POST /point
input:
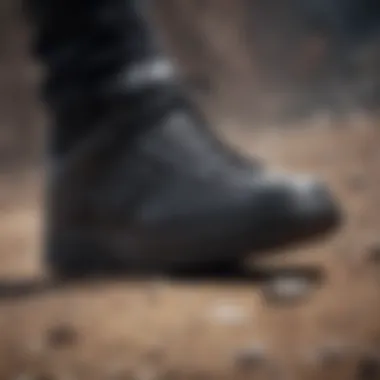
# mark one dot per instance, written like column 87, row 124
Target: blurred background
column 294, row 81
column 275, row 60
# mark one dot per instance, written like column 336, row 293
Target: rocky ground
column 314, row 314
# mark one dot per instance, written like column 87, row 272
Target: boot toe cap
column 314, row 202
column 298, row 208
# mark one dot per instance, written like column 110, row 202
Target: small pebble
column 374, row 253
column 62, row 336
column 368, row 369
column 251, row 357
column 229, row 314
column 287, row 289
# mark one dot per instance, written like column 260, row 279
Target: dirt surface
column 313, row 327
column 312, row 312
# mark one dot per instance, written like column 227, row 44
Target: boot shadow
column 34, row 288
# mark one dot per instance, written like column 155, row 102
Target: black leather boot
column 137, row 182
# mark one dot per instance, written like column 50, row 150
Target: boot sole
column 79, row 257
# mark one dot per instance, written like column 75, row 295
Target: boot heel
column 74, row 256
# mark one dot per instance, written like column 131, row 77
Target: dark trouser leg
column 88, row 48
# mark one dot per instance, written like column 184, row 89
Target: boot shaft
column 102, row 63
